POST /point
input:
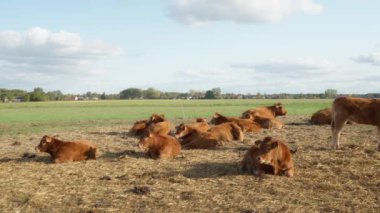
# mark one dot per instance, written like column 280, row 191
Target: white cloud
column 301, row 67
column 198, row 12
column 40, row 55
column 306, row 75
column 372, row 58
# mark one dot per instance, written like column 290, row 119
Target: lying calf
column 247, row 125
column 183, row 130
column 213, row 137
column 268, row 156
column 160, row 146
column 64, row 151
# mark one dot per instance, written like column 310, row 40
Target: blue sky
column 246, row 46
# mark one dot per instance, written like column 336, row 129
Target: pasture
column 123, row 180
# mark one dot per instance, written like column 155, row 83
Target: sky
column 241, row 46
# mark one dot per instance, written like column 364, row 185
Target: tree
column 209, row 94
column 196, row 94
column 103, row 96
column 55, row 95
column 38, row 94
column 214, row 93
column 131, row 93
column 151, row 93
column 331, row 93
column 217, row 92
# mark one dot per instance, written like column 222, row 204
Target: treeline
column 38, row 94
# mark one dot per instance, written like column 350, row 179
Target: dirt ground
column 124, row 180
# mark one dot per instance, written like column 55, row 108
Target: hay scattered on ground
column 122, row 179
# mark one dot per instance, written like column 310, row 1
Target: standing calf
column 358, row 110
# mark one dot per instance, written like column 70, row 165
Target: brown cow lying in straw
column 212, row 137
column 268, row 123
column 159, row 125
column 156, row 124
column 266, row 112
column 247, row 125
column 64, row 151
column 182, row 130
column 358, row 110
column 323, row 117
column 160, row 146
column 265, row 116
column 268, row 156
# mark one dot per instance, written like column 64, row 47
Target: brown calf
column 64, row 151
column 212, row 137
column 247, row 125
column 160, row 146
column 323, row 117
column 269, row 155
column 358, row 110
column 183, row 130
column 266, row 112
column 268, row 123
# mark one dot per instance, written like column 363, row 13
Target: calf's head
column 155, row 118
column 217, row 119
column 181, row 130
column 279, row 109
column 267, row 149
column 45, row 144
column 145, row 142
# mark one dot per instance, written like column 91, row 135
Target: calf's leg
column 336, row 128
column 378, row 133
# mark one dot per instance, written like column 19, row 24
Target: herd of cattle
column 268, row 155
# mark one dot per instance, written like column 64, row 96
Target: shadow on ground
column 212, row 170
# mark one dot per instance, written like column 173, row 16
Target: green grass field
column 38, row 116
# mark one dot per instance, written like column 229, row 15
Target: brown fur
column 157, row 124
column 247, row 125
column 268, row 123
column 160, row 146
column 210, row 139
column 139, row 128
column 202, row 140
column 252, row 165
column 155, row 118
column 64, row 151
column 359, row 110
column 160, row 128
column 201, row 120
column 323, row 117
column 269, row 153
column 183, row 130
column 266, row 112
